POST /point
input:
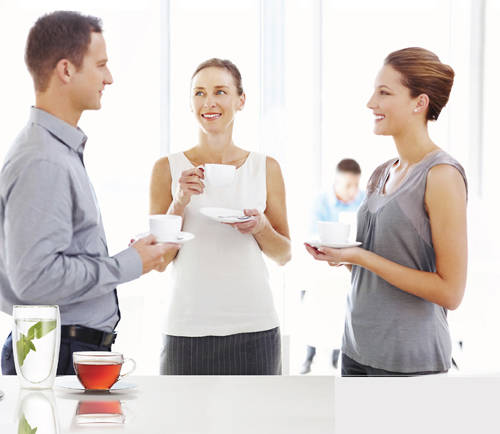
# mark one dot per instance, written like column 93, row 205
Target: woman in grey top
column 412, row 265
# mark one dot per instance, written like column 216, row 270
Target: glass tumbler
column 36, row 338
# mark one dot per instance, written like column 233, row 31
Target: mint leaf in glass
column 24, row 345
column 24, row 427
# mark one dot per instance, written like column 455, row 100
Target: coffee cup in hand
column 333, row 232
column 165, row 227
column 219, row 175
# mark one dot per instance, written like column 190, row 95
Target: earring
column 415, row 110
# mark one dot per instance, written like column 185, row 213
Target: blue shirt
column 327, row 208
column 52, row 244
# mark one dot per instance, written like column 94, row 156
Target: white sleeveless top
column 220, row 280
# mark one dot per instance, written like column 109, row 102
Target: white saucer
column 317, row 243
column 70, row 382
column 226, row 215
column 181, row 238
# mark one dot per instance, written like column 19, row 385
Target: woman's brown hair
column 224, row 64
column 423, row 72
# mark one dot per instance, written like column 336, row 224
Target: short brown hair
column 349, row 165
column 224, row 64
column 55, row 36
column 423, row 72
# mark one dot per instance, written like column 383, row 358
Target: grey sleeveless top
column 385, row 327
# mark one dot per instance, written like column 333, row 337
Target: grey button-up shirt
column 52, row 244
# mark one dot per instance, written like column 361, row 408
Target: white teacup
column 165, row 227
column 333, row 232
column 219, row 175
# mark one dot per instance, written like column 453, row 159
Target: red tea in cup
column 97, row 376
column 99, row 370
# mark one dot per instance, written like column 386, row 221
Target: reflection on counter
column 99, row 413
column 37, row 412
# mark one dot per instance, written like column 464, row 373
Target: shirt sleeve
column 38, row 233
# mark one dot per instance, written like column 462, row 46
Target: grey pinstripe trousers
column 257, row 353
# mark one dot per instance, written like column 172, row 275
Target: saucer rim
column 188, row 236
column 317, row 243
column 228, row 219
column 71, row 382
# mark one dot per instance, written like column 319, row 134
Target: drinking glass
column 37, row 412
column 36, row 338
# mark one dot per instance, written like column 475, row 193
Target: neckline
column 407, row 174
column 237, row 168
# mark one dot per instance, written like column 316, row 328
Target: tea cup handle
column 130, row 370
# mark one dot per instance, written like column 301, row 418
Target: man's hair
column 55, row 36
column 349, row 165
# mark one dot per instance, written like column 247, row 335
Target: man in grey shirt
column 52, row 243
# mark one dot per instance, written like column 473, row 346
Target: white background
column 308, row 68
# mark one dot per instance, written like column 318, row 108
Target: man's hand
column 152, row 253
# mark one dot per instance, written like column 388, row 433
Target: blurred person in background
column 324, row 301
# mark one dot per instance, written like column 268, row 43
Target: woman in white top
column 221, row 318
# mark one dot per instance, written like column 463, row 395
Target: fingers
column 197, row 171
column 251, row 212
column 317, row 254
column 147, row 240
column 191, row 183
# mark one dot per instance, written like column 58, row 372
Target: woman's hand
column 334, row 257
column 190, row 183
column 253, row 226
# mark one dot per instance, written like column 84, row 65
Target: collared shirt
column 327, row 208
column 52, row 244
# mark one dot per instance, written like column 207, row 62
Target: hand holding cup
column 190, row 183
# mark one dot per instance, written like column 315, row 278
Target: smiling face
column 215, row 99
column 393, row 107
column 88, row 82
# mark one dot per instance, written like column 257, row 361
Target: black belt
column 88, row 335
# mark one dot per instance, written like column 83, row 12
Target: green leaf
column 24, row 427
column 31, row 333
column 41, row 328
column 23, row 348
column 24, row 345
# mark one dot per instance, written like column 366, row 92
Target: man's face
column 346, row 186
column 89, row 81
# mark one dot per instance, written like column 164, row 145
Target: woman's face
column 215, row 99
column 391, row 103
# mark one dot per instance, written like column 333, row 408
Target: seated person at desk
column 324, row 305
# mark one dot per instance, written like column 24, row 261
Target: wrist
column 352, row 255
column 263, row 225
column 178, row 206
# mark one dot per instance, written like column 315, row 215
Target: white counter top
column 274, row 405
column 167, row 404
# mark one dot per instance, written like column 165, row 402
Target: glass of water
column 36, row 338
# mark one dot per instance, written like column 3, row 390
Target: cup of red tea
column 99, row 370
